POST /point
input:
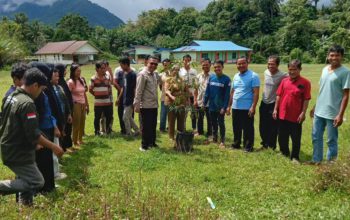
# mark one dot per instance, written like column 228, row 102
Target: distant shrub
column 106, row 56
column 296, row 53
column 334, row 176
column 258, row 58
column 307, row 58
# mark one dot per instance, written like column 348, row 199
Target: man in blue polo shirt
column 218, row 94
column 244, row 97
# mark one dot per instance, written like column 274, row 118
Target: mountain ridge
column 51, row 14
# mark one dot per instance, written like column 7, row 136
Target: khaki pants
column 128, row 120
column 172, row 117
column 79, row 115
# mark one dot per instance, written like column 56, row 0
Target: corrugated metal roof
column 63, row 47
column 201, row 45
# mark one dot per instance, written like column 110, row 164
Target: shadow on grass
column 77, row 164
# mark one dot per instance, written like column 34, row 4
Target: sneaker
column 60, row 176
column 222, row 145
column 155, row 145
column 142, row 149
column 312, row 163
column 295, row 161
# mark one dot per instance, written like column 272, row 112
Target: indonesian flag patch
column 31, row 115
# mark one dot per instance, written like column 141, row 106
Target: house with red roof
column 67, row 52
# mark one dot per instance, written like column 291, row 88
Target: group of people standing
column 43, row 115
column 282, row 111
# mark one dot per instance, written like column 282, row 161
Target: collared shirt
column 332, row 87
column 102, row 90
column 202, row 85
column 292, row 94
column 146, row 90
column 19, row 129
column 190, row 78
column 271, row 85
column 163, row 76
column 243, row 85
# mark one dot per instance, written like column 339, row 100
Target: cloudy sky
column 127, row 9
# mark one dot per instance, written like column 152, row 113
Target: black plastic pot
column 184, row 141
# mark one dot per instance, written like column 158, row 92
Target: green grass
column 110, row 178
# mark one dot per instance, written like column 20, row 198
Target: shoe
column 60, row 176
column 312, row 163
column 76, row 147
column 235, row 146
column 142, row 149
column 195, row 133
column 262, row 149
column 222, row 145
column 155, row 145
column 69, row 150
column 295, row 161
column 137, row 133
column 215, row 140
column 248, row 150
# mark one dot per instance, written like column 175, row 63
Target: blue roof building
column 226, row 51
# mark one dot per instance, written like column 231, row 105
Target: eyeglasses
column 156, row 64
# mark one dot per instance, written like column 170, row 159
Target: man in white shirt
column 189, row 75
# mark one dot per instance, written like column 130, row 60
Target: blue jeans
column 318, row 128
column 163, row 116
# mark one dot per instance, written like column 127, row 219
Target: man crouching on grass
column 293, row 96
column 20, row 137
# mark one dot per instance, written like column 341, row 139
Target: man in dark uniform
column 20, row 137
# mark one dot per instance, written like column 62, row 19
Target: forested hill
column 95, row 14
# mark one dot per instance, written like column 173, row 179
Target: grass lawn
column 110, row 178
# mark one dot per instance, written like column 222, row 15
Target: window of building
column 234, row 55
column 205, row 55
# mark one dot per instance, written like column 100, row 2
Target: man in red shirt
column 292, row 100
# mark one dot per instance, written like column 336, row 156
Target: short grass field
column 109, row 178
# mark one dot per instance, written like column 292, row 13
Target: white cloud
column 10, row 5
column 130, row 9
column 126, row 9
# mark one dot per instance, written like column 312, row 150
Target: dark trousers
column 193, row 115
column 201, row 113
column 149, row 120
column 218, row 120
column 66, row 141
column 107, row 112
column 268, row 126
column 120, row 116
column 241, row 122
column 44, row 161
column 286, row 129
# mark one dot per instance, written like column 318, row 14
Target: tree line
column 292, row 29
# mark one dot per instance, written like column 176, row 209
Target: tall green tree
column 72, row 27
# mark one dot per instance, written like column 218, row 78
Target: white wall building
column 67, row 52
